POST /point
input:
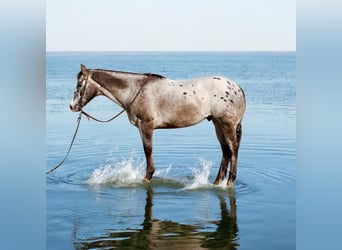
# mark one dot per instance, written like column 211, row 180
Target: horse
column 153, row 101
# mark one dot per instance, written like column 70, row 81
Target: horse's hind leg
column 229, row 137
column 234, row 141
column 226, row 152
column 146, row 133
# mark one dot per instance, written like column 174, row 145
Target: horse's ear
column 84, row 70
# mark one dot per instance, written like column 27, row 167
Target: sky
column 170, row 25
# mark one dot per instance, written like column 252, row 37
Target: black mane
column 151, row 75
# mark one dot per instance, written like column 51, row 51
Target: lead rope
column 73, row 138
column 78, row 124
column 93, row 118
column 72, row 142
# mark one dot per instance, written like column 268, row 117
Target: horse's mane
column 151, row 75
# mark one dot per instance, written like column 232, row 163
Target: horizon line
column 162, row 51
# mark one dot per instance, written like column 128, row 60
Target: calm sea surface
column 97, row 200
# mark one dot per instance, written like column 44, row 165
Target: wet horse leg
column 226, row 153
column 233, row 135
column 146, row 133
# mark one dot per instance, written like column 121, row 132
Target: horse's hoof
column 230, row 184
column 217, row 182
column 145, row 180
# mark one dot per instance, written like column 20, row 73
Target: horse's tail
column 239, row 132
column 239, row 126
column 244, row 98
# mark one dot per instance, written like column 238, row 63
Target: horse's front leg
column 146, row 133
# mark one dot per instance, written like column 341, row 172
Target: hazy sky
column 124, row 25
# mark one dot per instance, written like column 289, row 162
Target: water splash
column 163, row 172
column 123, row 173
column 201, row 177
column 131, row 172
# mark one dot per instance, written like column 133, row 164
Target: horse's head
column 85, row 90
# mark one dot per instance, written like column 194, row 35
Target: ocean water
column 96, row 199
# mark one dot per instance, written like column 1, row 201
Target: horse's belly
column 182, row 113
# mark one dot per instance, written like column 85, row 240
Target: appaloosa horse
column 153, row 101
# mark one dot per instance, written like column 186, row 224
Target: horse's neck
column 119, row 87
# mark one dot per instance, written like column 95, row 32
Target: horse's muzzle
column 74, row 108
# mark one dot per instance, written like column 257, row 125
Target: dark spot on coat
column 180, row 85
column 239, row 90
column 225, row 100
column 231, row 101
column 184, row 93
column 235, row 92
column 228, row 82
column 194, row 92
column 216, row 78
column 227, row 93
column 229, row 88
column 214, row 95
column 221, row 97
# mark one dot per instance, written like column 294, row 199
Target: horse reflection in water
column 166, row 234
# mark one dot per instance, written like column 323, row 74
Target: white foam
column 201, row 177
column 163, row 172
column 123, row 173
column 131, row 172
